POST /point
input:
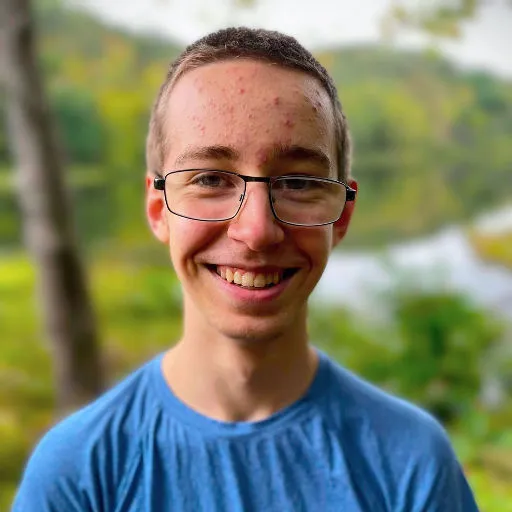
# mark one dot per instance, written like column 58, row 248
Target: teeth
column 259, row 281
column 248, row 279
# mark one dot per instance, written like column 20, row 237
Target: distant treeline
column 432, row 143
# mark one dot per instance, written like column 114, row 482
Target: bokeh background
column 419, row 297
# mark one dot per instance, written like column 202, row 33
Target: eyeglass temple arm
column 159, row 183
column 351, row 194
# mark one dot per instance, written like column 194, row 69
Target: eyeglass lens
column 217, row 195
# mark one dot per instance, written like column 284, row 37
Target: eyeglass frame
column 159, row 184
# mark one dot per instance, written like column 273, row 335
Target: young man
column 249, row 186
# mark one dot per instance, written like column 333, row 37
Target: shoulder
column 92, row 449
column 351, row 399
column 410, row 455
column 120, row 411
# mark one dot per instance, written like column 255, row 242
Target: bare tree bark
column 48, row 229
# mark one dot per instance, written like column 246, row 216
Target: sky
column 485, row 42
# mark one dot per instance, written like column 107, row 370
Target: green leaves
column 431, row 350
column 444, row 341
column 433, row 17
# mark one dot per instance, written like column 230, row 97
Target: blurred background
column 419, row 297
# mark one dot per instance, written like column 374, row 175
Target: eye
column 213, row 179
column 295, row 184
column 298, row 184
column 207, row 180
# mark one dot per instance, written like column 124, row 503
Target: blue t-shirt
column 345, row 446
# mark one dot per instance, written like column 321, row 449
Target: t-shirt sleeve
column 440, row 483
column 451, row 491
column 52, row 478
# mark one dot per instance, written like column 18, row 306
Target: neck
column 236, row 380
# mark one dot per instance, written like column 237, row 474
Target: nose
column 255, row 224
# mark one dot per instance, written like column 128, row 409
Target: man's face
column 256, row 119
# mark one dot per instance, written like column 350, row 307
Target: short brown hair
column 258, row 44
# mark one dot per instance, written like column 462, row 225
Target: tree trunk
column 47, row 222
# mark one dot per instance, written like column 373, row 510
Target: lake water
column 446, row 260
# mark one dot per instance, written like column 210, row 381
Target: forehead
column 249, row 105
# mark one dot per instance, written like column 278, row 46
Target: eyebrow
column 300, row 154
column 277, row 152
column 217, row 152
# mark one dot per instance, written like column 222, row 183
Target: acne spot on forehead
column 200, row 127
column 261, row 157
column 250, row 108
column 198, row 83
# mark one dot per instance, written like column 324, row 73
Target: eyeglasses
column 213, row 195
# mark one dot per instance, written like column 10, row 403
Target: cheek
column 188, row 237
column 316, row 243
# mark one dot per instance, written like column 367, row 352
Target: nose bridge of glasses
column 253, row 179
column 256, row 179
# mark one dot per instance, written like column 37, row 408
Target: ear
column 341, row 225
column 156, row 211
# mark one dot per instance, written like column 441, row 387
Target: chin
column 254, row 332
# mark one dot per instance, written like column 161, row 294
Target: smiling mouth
column 250, row 279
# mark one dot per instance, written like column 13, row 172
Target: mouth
column 264, row 278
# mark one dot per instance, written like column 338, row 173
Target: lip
column 249, row 268
column 251, row 295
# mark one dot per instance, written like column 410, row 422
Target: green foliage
column 436, row 18
column 92, row 201
column 431, row 143
column 353, row 342
column 80, row 127
column 444, row 342
column 10, row 229
column 441, row 19
column 4, row 148
column 432, row 352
